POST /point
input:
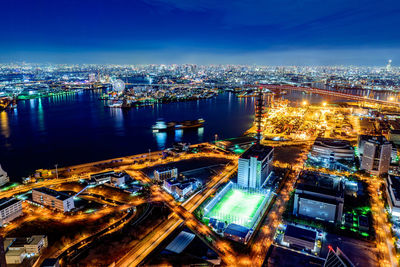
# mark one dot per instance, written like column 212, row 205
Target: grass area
column 237, row 206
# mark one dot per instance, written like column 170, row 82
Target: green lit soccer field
column 237, row 206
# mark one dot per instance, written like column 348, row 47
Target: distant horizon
column 349, row 58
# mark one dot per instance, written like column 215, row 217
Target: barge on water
column 162, row 126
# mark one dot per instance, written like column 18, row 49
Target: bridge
column 327, row 92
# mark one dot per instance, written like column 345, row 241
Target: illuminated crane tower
column 259, row 110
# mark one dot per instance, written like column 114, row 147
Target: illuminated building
column 163, row 174
column 254, row 166
column 10, row 208
column 112, row 177
column 299, row 237
column 19, row 248
column 319, row 196
column 180, row 189
column 49, row 197
column 332, row 149
column 376, row 155
column 333, row 154
column 3, row 177
column 237, row 233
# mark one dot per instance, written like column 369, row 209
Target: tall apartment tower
column 254, row 166
column 376, row 155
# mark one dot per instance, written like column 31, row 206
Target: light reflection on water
column 161, row 138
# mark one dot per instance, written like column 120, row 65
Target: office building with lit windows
column 54, row 199
column 254, row 166
column 376, row 154
column 10, row 208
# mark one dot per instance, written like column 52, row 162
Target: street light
column 304, row 103
column 324, row 104
column 391, row 98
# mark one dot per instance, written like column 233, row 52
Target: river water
column 78, row 128
column 73, row 129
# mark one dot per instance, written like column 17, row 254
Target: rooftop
column 322, row 183
column 282, row 257
column 301, row 233
column 333, row 143
column 180, row 242
column 6, row 202
column 237, row 141
column 51, row 192
column 374, row 139
column 257, row 151
column 236, row 230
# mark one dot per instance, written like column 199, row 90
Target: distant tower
column 389, row 65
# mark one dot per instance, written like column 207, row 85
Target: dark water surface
column 78, row 128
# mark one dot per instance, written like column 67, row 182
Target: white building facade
column 254, row 166
column 3, row 177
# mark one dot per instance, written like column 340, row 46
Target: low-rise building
column 332, row 149
column 299, row 237
column 19, row 248
column 52, row 198
column 15, row 256
column 319, row 196
column 165, row 173
column 236, row 144
column 237, row 233
column 50, row 262
column 35, row 244
column 181, row 188
column 3, row 177
column 332, row 154
column 10, row 208
column 101, row 178
column 119, row 178
column 112, row 177
column 184, row 189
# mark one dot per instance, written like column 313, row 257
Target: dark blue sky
column 277, row 32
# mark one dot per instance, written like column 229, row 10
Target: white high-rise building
column 376, row 155
column 389, row 65
column 3, row 177
column 254, row 166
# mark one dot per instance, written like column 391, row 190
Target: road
column 139, row 252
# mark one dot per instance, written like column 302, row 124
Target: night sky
column 278, row 32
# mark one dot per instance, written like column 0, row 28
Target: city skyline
column 201, row 32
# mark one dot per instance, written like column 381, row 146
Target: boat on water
column 162, row 126
column 115, row 104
